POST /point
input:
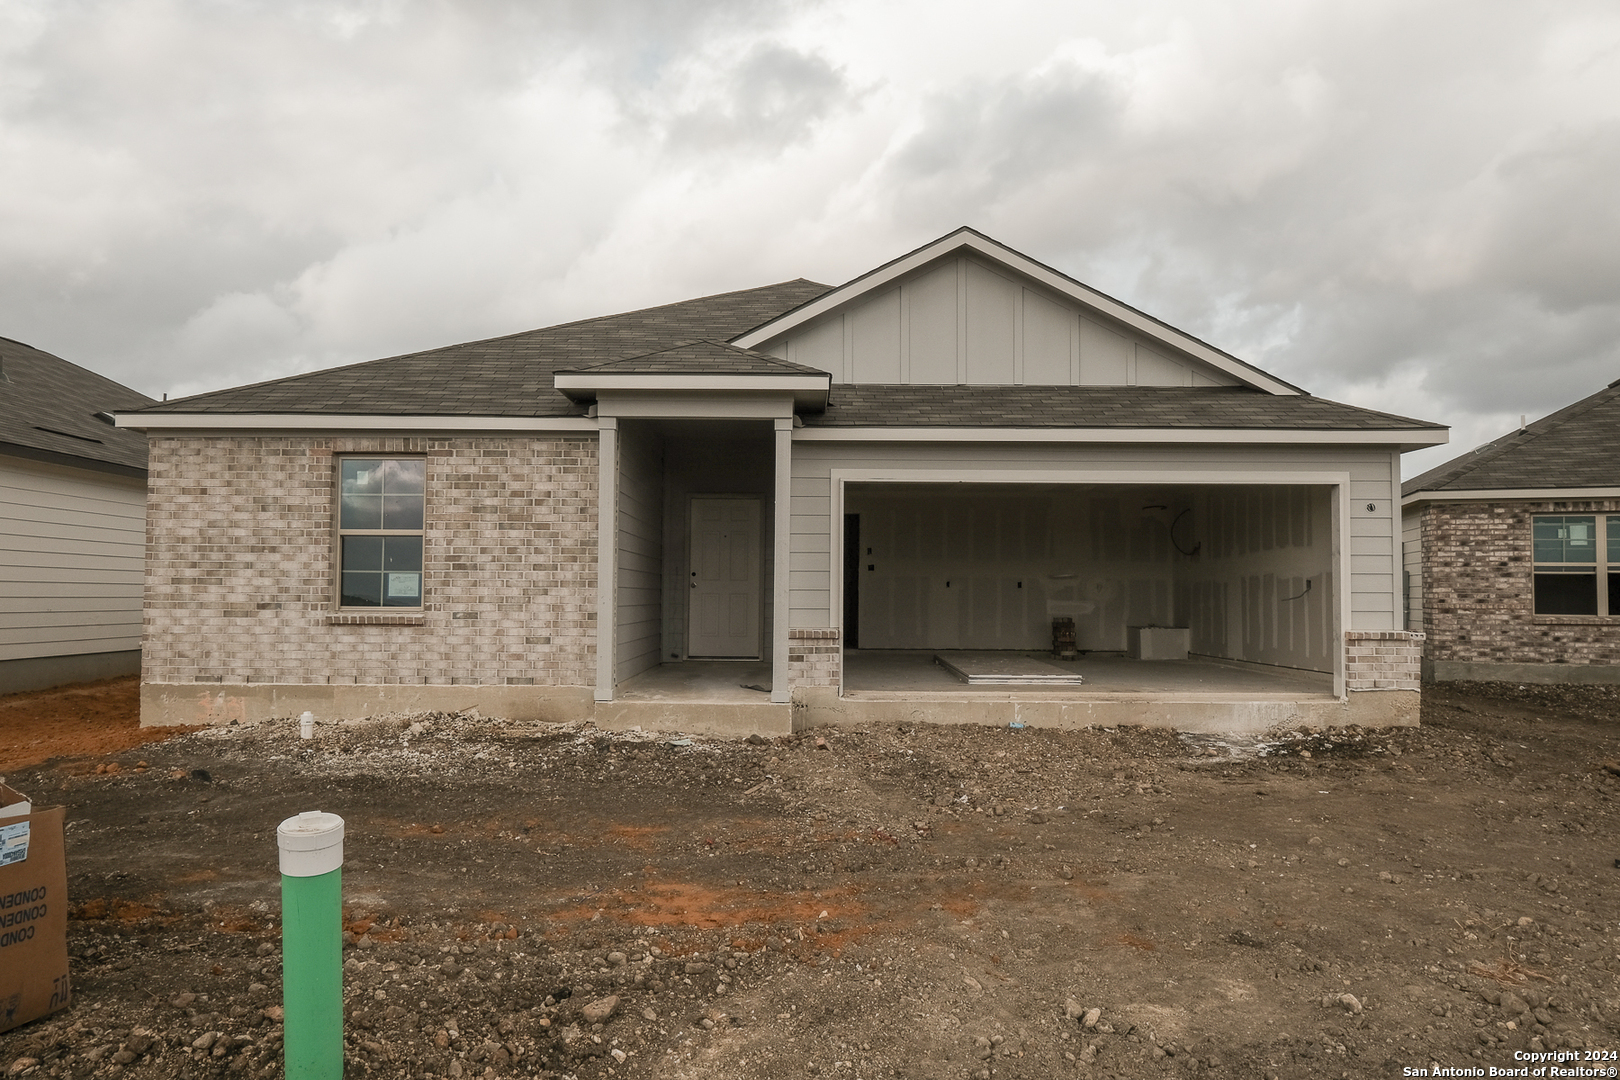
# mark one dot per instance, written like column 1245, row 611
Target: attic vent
column 65, row 434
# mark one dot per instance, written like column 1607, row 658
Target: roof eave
column 1404, row 439
column 1558, row 494
column 810, row 392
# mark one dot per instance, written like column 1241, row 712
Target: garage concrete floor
column 901, row 673
column 891, row 672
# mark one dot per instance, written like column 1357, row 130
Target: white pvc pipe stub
column 311, row 844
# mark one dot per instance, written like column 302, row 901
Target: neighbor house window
column 380, row 515
column 1577, row 564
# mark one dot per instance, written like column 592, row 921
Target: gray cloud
column 774, row 97
column 1409, row 207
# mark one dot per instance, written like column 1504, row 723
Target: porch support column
column 607, row 551
column 783, row 502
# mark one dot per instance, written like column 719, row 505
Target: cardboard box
column 33, row 911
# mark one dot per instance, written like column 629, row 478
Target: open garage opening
column 1244, row 572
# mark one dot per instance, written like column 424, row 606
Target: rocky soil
column 908, row 901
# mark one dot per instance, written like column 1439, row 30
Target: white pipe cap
column 311, row 844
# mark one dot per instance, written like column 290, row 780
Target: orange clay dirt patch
column 98, row 718
column 113, row 910
column 636, row 836
column 710, row 907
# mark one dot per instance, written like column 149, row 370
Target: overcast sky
column 1408, row 205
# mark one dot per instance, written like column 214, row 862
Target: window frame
column 339, row 533
column 1601, row 566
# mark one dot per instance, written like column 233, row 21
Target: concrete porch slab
column 700, row 682
column 697, row 718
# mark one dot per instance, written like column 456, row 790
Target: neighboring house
column 823, row 486
column 1512, row 553
column 72, row 523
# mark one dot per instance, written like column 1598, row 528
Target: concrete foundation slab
column 1208, row 713
column 216, row 703
column 44, row 672
column 716, row 698
column 1478, row 671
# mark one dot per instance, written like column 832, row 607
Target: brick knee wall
column 815, row 657
column 1479, row 589
column 1382, row 660
column 240, row 581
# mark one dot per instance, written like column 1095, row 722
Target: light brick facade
column 240, row 585
column 1479, row 589
column 1382, row 660
column 815, row 656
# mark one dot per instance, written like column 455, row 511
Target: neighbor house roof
column 49, row 407
column 504, row 376
column 1572, row 448
column 1229, row 407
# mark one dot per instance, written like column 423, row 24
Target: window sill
column 359, row 619
column 1575, row 620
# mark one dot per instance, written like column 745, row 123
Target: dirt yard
column 897, row 902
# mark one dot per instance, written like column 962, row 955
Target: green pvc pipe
column 312, row 945
column 312, row 975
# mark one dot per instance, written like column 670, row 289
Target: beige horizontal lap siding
column 71, row 547
column 1373, row 596
column 639, row 625
column 1412, row 565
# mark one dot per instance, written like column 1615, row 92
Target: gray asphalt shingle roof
column 49, row 406
column 702, row 358
column 514, row 376
column 1096, row 407
column 504, row 376
column 1575, row 447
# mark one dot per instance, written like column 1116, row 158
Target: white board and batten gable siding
column 963, row 321
column 72, row 548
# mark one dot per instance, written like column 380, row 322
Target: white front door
column 723, row 613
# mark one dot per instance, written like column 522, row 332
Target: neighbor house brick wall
column 815, row 656
column 1479, row 591
column 240, row 578
column 1382, row 660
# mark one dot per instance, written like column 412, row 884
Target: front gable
column 966, row 310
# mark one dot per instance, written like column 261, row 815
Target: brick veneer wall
column 1479, row 593
column 240, row 576
column 815, row 657
column 1382, row 660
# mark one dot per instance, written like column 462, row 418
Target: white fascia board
column 709, row 383
column 1407, row 438
column 1058, row 283
column 334, row 421
column 1504, row 494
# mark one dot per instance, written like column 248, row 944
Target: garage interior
column 1246, row 571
